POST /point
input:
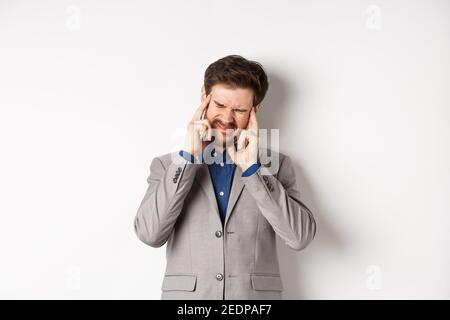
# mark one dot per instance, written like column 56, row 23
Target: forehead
column 233, row 97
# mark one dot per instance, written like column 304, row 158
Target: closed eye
column 221, row 106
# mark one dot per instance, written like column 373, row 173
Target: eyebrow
column 222, row 105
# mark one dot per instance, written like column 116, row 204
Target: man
column 220, row 218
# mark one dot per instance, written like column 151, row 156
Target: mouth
column 223, row 127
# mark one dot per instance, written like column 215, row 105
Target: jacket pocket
column 179, row 282
column 266, row 282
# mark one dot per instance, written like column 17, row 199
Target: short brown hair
column 238, row 72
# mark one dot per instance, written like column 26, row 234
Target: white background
column 91, row 91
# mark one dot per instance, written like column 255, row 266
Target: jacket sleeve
column 278, row 198
column 163, row 201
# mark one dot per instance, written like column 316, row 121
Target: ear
column 203, row 93
column 258, row 107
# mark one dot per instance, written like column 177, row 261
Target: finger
column 231, row 151
column 204, row 129
column 253, row 122
column 204, row 122
column 237, row 133
column 200, row 128
column 199, row 112
column 252, row 134
column 208, row 133
column 242, row 139
column 253, row 151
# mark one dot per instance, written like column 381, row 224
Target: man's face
column 229, row 108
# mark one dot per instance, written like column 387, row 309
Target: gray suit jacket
column 208, row 260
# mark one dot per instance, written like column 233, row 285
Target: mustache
column 228, row 125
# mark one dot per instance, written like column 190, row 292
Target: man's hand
column 247, row 149
column 198, row 129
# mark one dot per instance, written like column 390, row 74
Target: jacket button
column 218, row 233
column 219, row 277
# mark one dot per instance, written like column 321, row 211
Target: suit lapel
column 204, row 179
column 236, row 190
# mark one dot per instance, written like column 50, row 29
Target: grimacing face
column 229, row 108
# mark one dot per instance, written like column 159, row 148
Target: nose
column 227, row 116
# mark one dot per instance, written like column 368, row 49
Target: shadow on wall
column 274, row 114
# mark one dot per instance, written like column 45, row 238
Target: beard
column 219, row 124
column 221, row 129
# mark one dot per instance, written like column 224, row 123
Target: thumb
column 231, row 151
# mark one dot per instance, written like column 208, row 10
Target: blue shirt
column 222, row 175
column 222, row 178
